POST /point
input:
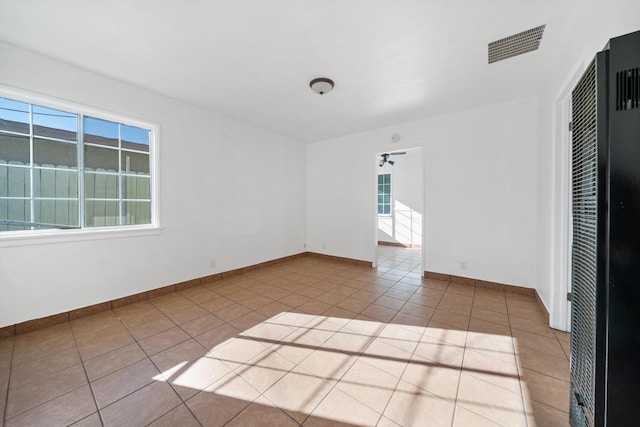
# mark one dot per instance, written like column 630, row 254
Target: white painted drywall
column 405, row 223
column 480, row 191
column 228, row 191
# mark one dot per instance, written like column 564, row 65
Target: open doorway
column 399, row 211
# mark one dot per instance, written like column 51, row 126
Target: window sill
column 45, row 237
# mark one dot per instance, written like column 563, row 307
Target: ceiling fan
column 385, row 157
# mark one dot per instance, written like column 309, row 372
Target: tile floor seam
column 6, row 396
column 464, row 351
column 518, row 365
column 93, row 395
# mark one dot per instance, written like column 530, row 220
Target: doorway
column 399, row 211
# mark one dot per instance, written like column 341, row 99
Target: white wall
column 405, row 223
column 227, row 191
column 480, row 191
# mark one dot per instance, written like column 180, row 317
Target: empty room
column 318, row 213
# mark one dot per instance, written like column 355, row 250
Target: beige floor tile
column 201, row 324
column 63, row 410
column 298, row 393
column 123, row 382
column 327, row 364
column 248, row 321
column 148, row 329
column 104, row 344
column 498, row 371
column 348, row 342
column 466, row 418
column 440, row 380
column 262, row 413
column 490, row 401
column 411, row 405
column 141, row 407
column 537, row 342
column 180, row 416
column 163, row 340
column 544, row 363
column 450, row 319
column 379, row 313
column 544, row 389
column 92, row 420
column 339, row 406
column 44, row 366
column 238, row 350
column 540, row 415
column 265, row 369
column 217, row 335
column 34, row 393
column 110, row 362
column 368, row 384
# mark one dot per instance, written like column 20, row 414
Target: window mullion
column 120, row 174
column 32, row 204
column 81, row 192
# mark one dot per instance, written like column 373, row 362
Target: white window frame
column 45, row 236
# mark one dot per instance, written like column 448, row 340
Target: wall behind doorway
column 404, row 225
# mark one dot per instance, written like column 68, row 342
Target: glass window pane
column 99, row 213
column 380, row 199
column 14, row 116
column 136, row 187
column 387, row 188
column 100, row 186
column 15, row 181
column 103, row 132
column 58, row 183
column 56, row 212
column 14, row 148
column 136, row 212
column 380, row 209
column 17, row 212
column 380, row 179
column 54, row 153
column 387, row 198
column 135, row 162
column 55, row 123
column 101, row 158
column 134, row 138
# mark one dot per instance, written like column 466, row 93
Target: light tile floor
column 310, row 342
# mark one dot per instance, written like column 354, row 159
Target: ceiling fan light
column 321, row 85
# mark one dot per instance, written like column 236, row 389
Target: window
column 384, row 194
column 62, row 169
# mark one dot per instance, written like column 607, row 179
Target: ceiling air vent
column 517, row 44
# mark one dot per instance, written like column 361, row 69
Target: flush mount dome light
column 321, row 85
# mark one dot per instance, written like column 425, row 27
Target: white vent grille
column 517, row 44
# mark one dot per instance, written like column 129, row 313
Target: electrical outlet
column 212, row 263
column 463, row 265
column 305, row 246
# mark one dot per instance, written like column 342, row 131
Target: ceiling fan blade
column 398, row 153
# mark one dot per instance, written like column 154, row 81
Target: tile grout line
column 84, row 369
column 464, row 353
column 6, row 397
column 518, row 367
column 409, row 361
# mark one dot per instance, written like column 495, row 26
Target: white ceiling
column 392, row 61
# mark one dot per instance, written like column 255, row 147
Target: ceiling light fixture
column 321, row 85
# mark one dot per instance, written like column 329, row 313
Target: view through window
column 62, row 169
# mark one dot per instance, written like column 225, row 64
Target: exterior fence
column 56, row 196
